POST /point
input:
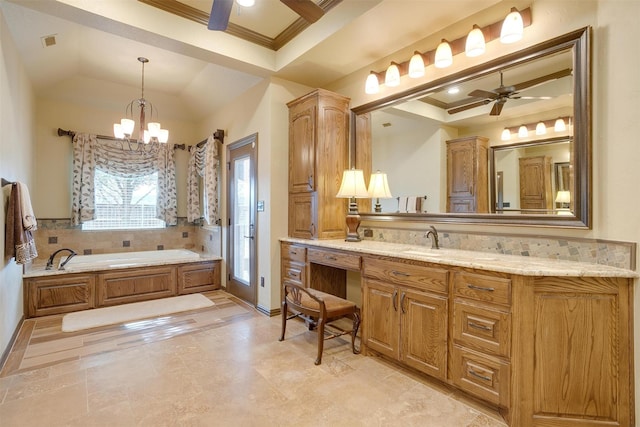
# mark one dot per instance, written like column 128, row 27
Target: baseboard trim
column 12, row 341
column 270, row 313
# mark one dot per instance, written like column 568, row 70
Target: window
column 124, row 202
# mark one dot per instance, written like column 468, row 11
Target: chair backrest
column 302, row 300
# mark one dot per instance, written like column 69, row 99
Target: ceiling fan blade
column 219, row 18
column 469, row 106
column 542, row 79
column 479, row 93
column 307, row 9
column 497, row 108
column 531, row 97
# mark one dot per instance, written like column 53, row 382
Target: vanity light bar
column 491, row 32
column 532, row 126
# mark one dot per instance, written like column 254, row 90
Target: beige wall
column 16, row 164
column 263, row 110
column 616, row 107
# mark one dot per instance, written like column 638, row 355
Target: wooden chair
column 318, row 309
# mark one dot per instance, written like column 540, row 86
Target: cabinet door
column 302, row 216
column 381, row 328
column 302, row 135
column 535, row 183
column 460, row 171
column 200, row 277
column 423, row 330
column 59, row 294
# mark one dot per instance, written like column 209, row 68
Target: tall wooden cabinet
column 535, row 183
column 467, row 175
column 318, row 155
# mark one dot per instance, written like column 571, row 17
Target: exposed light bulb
column 475, row 44
column 416, row 66
column 392, row 76
column 512, row 27
column 372, row 85
column 506, row 135
column 541, row 129
column 444, row 56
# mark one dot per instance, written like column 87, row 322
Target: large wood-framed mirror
column 405, row 136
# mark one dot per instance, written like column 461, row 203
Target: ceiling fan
column 221, row 9
column 503, row 93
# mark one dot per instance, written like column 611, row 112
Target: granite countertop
column 37, row 269
column 512, row 264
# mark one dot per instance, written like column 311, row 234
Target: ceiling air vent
column 48, row 41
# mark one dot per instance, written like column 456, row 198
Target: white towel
column 29, row 221
column 402, row 204
column 411, row 204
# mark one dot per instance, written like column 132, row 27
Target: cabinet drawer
column 480, row 375
column 334, row 259
column 483, row 328
column 293, row 272
column 481, row 287
column 415, row 275
column 294, row 252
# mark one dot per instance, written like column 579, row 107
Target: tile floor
column 219, row 366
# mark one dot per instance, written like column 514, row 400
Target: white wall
column 16, row 164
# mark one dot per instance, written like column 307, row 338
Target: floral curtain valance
column 204, row 162
column 89, row 155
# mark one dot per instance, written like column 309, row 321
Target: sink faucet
column 433, row 234
column 50, row 260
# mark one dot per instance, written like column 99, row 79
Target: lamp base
column 353, row 222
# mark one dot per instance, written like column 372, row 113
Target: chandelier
column 148, row 133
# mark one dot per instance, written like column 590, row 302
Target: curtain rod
column 218, row 134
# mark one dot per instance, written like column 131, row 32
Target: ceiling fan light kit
column 473, row 44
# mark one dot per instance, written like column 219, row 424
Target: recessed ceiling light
column 453, row 90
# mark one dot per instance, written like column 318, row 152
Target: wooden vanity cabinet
column 467, row 175
column 406, row 313
column 318, row 155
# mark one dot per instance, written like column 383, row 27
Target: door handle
column 250, row 236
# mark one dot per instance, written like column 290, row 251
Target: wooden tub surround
column 546, row 342
column 57, row 292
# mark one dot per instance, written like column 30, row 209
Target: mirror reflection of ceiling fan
column 502, row 94
column 221, row 10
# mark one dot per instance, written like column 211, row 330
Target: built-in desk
column 547, row 342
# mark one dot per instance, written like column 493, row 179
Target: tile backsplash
column 54, row 234
column 616, row 254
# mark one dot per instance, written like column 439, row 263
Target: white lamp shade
column 512, row 27
column 378, row 186
column 506, row 135
column 392, row 76
column 154, row 129
column 117, row 131
column 563, row 197
column 560, row 126
column 416, row 66
column 372, row 85
column 541, row 129
column 353, row 185
column 475, row 44
column 127, row 125
column 523, row 132
column 444, row 56
column 163, row 136
column 246, row 3
column 146, row 138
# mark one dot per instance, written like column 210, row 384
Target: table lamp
column 353, row 187
column 379, row 188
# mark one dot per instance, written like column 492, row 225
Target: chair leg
column 320, row 340
column 284, row 319
column 354, row 332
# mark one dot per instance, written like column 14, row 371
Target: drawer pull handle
column 480, row 288
column 475, row 325
column 293, row 252
column 332, row 258
column 477, row 375
column 402, row 303
column 394, row 298
column 292, row 274
column 400, row 273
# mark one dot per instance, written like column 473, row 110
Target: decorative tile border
column 606, row 252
